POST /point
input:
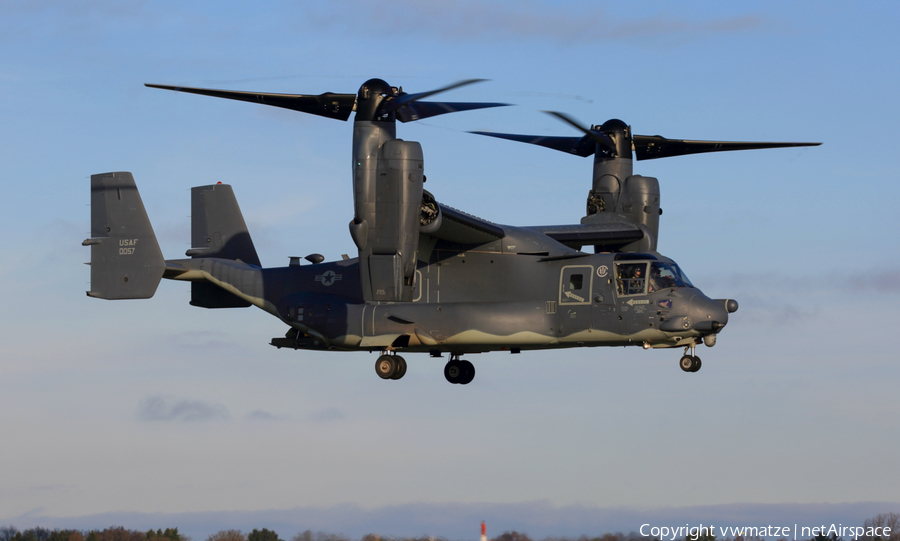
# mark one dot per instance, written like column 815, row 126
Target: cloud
column 466, row 19
column 884, row 282
column 160, row 408
column 260, row 415
column 327, row 415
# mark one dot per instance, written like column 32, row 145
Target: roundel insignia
column 328, row 278
column 602, row 271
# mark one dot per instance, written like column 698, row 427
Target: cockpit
column 642, row 277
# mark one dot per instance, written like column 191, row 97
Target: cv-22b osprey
column 429, row 278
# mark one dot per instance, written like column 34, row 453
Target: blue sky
column 158, row 407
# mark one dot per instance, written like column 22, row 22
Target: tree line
column 119, row 533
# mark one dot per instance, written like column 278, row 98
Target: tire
column 687, row 363
column 468, row 373
column 386, row 367
column 401, row 367
column 453, row 371
column 697, row 364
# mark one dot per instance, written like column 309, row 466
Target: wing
column 611, row 233
column 463, row 228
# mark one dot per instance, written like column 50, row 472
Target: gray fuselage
column 510, row 294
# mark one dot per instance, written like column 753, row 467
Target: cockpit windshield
column 666, row 275
column 632, row 277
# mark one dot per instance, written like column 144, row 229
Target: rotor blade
column 649, row 147
column 598, row 136
column 418, row 110
column 580, row 146
column 403, row 99
column 330, row 105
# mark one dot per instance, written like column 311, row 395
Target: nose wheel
column 390, row 367
column 690, row 363
column 458, row 371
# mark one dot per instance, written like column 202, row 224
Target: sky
column 154, row 412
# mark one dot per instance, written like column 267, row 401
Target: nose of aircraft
column 710, row 315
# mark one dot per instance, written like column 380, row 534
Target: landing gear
column 690, row 363
column 457, row 371
column 390, row 367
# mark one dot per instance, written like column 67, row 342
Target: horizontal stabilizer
column 126, row 262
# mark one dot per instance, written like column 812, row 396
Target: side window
column 575, row 285
column 575, row 282
column 631, row 278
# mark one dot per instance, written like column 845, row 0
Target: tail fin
column 218, row 230
column 217, row 226
column 126, row 262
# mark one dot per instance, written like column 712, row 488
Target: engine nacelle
column 388, row 200
column 640, row 202
column 637, row 199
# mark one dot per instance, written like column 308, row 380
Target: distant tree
column 7, row 533
column 371, row 537
column 262, row 535
column 512, row 536
column 65, row 535
column 27, row 535
column 884, row 520
column 116, row 533
column 40, row 534
column 324, row 536
column 227, row 535
column 59, row 535
column 305, row 535
column 169, row 534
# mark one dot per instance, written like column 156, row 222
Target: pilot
column 656, row 282
column 636, row 284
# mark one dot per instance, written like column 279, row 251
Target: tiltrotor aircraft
column 430, row 278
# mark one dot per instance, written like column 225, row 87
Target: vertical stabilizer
column 126, row 262
column 218, row 230
column 217, row 225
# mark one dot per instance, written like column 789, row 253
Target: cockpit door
column 575, row 298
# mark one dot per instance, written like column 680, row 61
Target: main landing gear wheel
column 401, row 367
column 689, row 363
column 457, row 371
column 468, row 372
column 390, row 367
column 452, row 371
